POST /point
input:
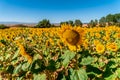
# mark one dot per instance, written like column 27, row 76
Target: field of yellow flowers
column 64, row 53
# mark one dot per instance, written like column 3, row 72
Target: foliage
column 43, row 24
column 110, row 19
column 78, row 23
column 93, row 23
column 51, row 54
column 72, row 23
column 3, row 26
column 102, row 22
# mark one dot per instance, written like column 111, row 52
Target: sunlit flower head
column 112, row 46
column 100, row 48
column 71, row 36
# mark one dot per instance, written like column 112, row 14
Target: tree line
column 110, row 19
column 46, row 23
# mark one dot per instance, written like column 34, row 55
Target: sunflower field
column 64, row 53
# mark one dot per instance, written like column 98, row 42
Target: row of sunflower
column 64, row 53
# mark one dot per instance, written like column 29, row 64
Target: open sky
column 56, row 10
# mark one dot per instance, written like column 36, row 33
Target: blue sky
column 56, row 10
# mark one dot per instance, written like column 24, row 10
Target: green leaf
column 10, row 69
column 111, row 77
column 46, row 52
column 39, row 77
column 16, row 54
column 25, row 66
column 36, row 56
column 57, row 65
column 112, row 64
column 101, row 64
column 94, row 70
column 37, row 66
column 67, row 56
column 118, row 72
column 17, row 69
column 51, row 65
column 87, row 61
column 7, row 56
column 20, row 78
column 78, row 74
column 63, row 78
column 1, row 58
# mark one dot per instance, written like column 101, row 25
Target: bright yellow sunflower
column 100, row 48
column 117, row 35
column 97, row 35
column 24, row 54
column 95, row 42
column 71, row 36
column 112, row 46
column 86, row 43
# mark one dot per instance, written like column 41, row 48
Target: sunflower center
column 71, row 36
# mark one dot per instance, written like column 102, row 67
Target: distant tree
column 92, row 23
column 2, row 26
column 102, row 22
column 62, row 23
column 110, row 19
column 96, row 21
column 78, row 23
column 117, row 17
column 70, row 22
column 44, row 24
column 65, row 22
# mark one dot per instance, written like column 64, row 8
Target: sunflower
column 112, row 46
column 24, row 54
column 117, row 35
column 86, row 43
column 100, row 48
column 95, row 42
column 72, row 37
column 97, row 35
column 91, row 34
column 1, row 44
column 106, row 38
